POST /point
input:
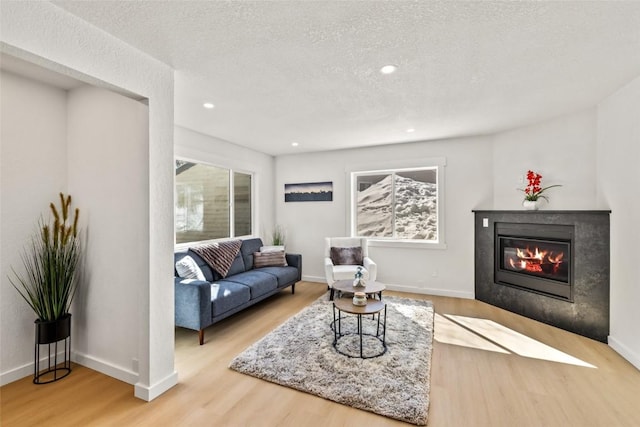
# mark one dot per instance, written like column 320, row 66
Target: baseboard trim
column 431, row 291
column 624, row 351
column 148, row 393
column 315, row 279
column 26, row 370
column 409, row 289
column 16, row 374
column 106, row 368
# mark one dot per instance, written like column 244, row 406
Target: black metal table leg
column 384, row 328
column 360, row 331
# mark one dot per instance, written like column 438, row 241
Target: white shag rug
column 299, row 354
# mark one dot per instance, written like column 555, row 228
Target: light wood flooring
column 498, row 375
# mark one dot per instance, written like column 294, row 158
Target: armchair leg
column 201, row 336
column 331, row 294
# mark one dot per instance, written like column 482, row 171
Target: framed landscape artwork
column 309, row 192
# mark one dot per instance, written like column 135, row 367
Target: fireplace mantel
column 588, row 312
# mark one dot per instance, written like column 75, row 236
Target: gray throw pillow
column 346, row 256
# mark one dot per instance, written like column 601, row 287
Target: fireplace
column 535, row 257
column 551, row 266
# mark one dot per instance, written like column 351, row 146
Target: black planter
column 56, row 330
column 52, row 334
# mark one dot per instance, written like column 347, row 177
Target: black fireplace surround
column 551, row 266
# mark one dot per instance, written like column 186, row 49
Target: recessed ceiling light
column 410, row 130
column 208, row 105
column 294, row 144
column 388, row 69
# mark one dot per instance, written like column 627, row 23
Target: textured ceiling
column 308, row 71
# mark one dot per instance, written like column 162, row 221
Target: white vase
column 530, row 205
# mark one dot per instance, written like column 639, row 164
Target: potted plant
column 49, row 281
column 533, row 191
column 278, row 236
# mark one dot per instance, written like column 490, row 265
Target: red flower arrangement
column 533, row 191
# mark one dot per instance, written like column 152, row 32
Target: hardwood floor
column 503, row 374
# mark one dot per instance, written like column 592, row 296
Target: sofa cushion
column 346, row 256
column 258, row 281
column 227, row 295
column 284, row 275
column 249, row 246
column 269, row 259
column 237, row 266
column 219, row 255
column 188, row 269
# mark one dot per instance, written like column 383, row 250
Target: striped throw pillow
column 269, row 259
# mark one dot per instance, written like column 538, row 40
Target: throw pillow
column 269, row 259
column 346, row 256
column 188, row 269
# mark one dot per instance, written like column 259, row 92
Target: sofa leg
column 293, row 288
column 201, row 336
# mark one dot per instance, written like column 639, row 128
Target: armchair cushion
column 347, row 272
column 346, row 256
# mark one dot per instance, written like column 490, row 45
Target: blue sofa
column 199, row 304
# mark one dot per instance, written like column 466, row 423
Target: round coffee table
column 373, row 308
column 346, row 286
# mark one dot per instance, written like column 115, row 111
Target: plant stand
column 49, row 335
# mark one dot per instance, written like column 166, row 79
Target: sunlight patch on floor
column 448, row 332
column 485, row 334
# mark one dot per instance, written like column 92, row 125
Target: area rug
column 299, row 354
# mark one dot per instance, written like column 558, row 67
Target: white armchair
column 341, row 271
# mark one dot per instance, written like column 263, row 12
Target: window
column 401, row 205
column 211, row 202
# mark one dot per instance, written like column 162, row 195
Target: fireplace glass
column 533, row 257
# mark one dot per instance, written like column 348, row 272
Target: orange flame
column 533, row 260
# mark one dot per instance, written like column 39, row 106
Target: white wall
column 108, row 143
column 562, row 150
column 618, row 148
column 468, row 185
column 42, row 33
column 198, row 147
column 33, row 170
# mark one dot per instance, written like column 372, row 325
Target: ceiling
column 308, row 71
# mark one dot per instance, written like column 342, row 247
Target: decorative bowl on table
column 359, row 298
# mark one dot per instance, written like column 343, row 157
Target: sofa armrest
column 328, row 271
column 371, row 267
column 192, row 303
column 295, row 260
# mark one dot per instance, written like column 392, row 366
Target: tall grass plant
column 50, row 261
